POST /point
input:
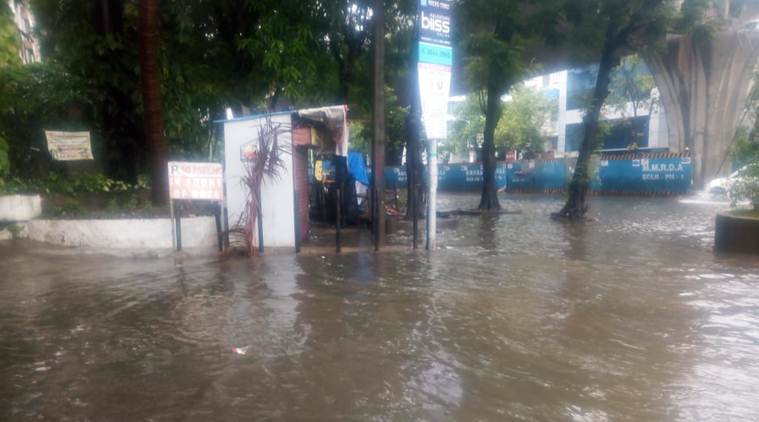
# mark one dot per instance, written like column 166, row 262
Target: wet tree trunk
column 489, row 198
column 415, row 167
column 577, row 205
column 152, row 101
column 378, row 121
column 122, row 136
column 413, row 139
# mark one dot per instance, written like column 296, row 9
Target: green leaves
column 522, row 121
column 56, row 183
column 519, row 126
column 631, row 89
column 34, row 98
column 488, row 54
column 9, row 38
column 4, row 160
column 468, row 127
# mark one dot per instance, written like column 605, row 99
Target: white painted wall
column 19, row 207
column 276, row 195
column 131, row 234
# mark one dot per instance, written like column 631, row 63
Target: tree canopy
column 9, row 39
column 523, row 117
column 248, row 55
column 632, row 88
column 613, row 29
column 521, row 125
column 497, row 32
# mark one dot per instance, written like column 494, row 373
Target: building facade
column 24, row 20
column 627, row 126
column 639, row 124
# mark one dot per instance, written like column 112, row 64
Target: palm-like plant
column 264, row 161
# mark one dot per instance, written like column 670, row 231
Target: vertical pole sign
column 434, row 68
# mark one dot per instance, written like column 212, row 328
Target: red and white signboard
column 196, row 181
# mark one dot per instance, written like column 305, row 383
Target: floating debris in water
column 241, row 350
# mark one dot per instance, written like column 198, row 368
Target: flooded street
column 630, row 317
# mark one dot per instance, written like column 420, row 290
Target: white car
column 721, row 187
column 751, row 26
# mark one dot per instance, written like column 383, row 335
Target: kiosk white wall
column 277, row 200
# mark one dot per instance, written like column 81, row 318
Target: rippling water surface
column 630, row 317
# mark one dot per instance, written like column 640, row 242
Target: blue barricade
column 657, row 174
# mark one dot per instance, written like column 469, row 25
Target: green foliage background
column 244, row 54
column 519, row 128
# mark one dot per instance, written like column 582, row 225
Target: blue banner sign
column 649, row 175
column 435, row 21
column 435, row 54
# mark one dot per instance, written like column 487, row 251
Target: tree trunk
column 413, row 141
column 150, row 73
column 577, row 205
column 378, row 119
column 489, row 199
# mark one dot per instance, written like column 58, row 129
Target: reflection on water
column 630, row 317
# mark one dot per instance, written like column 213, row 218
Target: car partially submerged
column 750, row 26
column 724, row 187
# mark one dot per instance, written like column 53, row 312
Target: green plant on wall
column 56, row 183
column 4, row 163
column 9, row 38
column 9, row 44
column 745, row 186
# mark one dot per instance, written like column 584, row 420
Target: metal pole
column 412, row 198
column 412, row 149
column 378, row 140
column 415, row 162
column 178, row 223
column 219, row 231
column 432, row 197
column 338, row 217
column 297, row 220
column 173, row 230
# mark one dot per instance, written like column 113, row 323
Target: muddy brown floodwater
column 631, row 317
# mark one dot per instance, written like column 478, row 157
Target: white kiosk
column 285, row 198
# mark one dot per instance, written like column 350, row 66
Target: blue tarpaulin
column 357, row 167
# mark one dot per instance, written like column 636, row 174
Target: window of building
column 580, row 84
column 736, row 9
column 622, row 134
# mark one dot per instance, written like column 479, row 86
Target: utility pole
column 434, row 68
column 413, row 132
column 432, row 196
column 378, row 138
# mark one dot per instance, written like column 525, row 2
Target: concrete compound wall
column 137, row 234
column 19, row 207
column 736, row 234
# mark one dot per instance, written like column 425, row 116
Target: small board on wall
column 195, row 182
